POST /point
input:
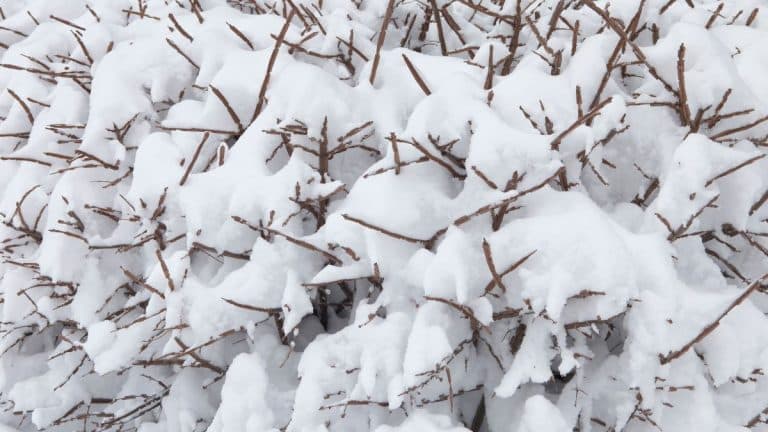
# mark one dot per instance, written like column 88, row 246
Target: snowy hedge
column 384, row 215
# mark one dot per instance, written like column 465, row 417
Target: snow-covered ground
column 384, row 215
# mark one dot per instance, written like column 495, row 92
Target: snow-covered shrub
column 385, row 215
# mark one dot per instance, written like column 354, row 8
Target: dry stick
column 722, row 103
column 354, row 131
column 439, row 22
column 675, row 234
column 555, row 145
column 759, row 203
column 555, row 17
column 271, row 64
column 20, row 203
column 579, row 102
column 83, row 47
column 539, row 37
column 322, row 168
column 666, row 6
column 178, row 50
column 752, row 16
column 137, row 280
column 514, row 266
column 492, row 267
column 385, row 231
column 484, row 178
column 195, row 5
column 489, row 75
column 453, row 26
column 416, row 76
column 298, row 242
column 734, row 169
column 93, row 157
column 732, row 131
column 757, row 418
column 396, row 153
column 165, row 270
column 314, row 19
column 490, row 207
column 24, row 106
column 34, row 20
column 465, row 310
column 68, row 23
column 230, row 110
column 352, row 48
column 575, row 37
column 484, row 10
column 93, row 13
column 672, row 355
column 205, row 363
column 617, row 50
column 517, row 27
column 24, row 159
column 635, row 48
column 685, row 113
column 714, row 15
column 179, row 27
column 380, row 41
column 194, row 159
column 241, row 35
column 715, row 119
column 732, row 268
column 301, row 16
column 253, row 308
column 435, row 159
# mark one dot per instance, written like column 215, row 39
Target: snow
column 521, row 215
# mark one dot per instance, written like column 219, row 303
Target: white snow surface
column 383, row 215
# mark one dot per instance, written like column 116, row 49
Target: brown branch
column 241, row 35
column 734, row 169
column 672, row 355
column 194, row 159
column 178, row 50
column 23, row 104
column 137, row 280
column 752, row 16
column 514, row 266
column 270, row 311
column 732, row 131
column 435, row 159
column 416, row 76
column 490, row 207
column 380, row 41
column 759, row 203
column 228, row 106
column 439, row 23
column 682, row 98
column 271, row 65
column 610, row 22
column 555, row 145
column 492, row 267
column 164, row 268
column 298, row 242
column 465, row 310
column 385, row 231
column 179, row 27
